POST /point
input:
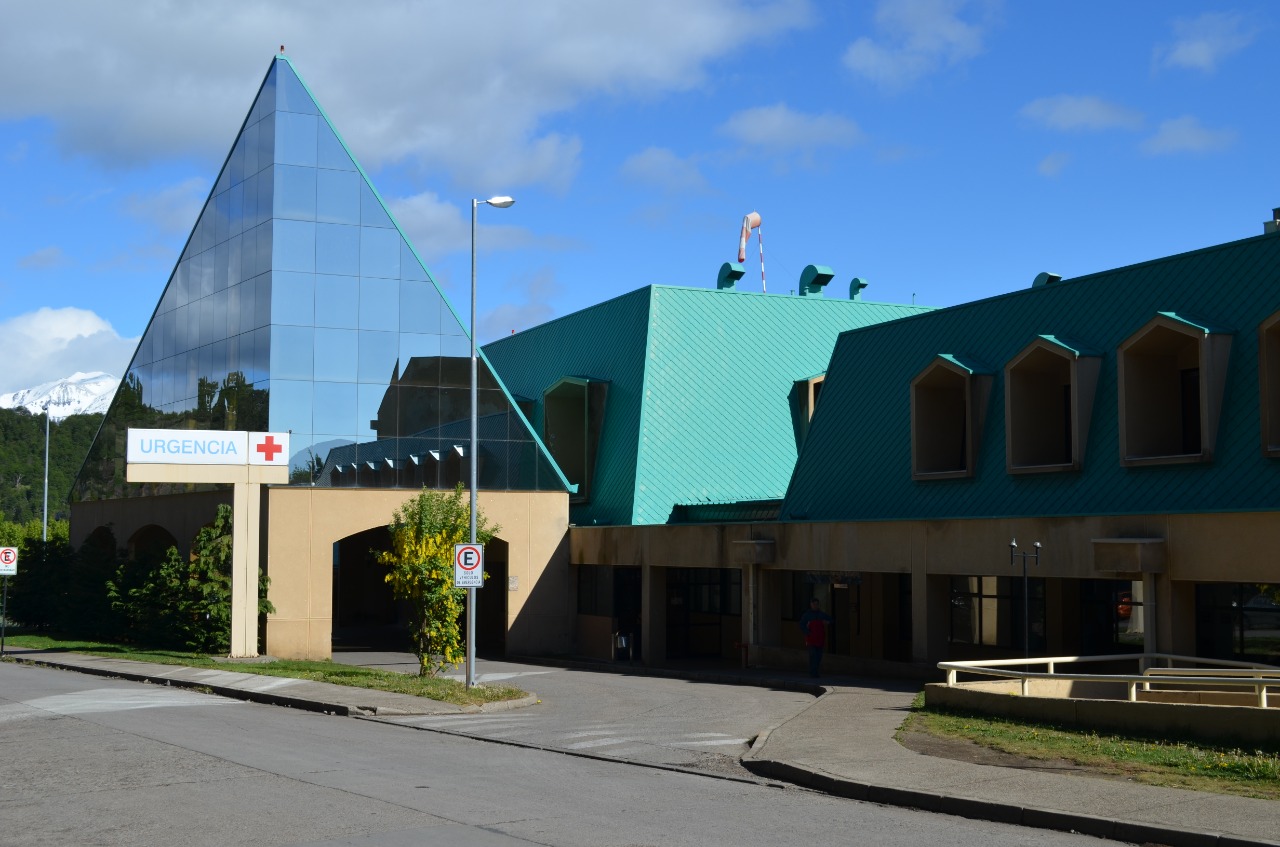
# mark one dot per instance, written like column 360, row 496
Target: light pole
column 1026, row 591
column 45, row 517
column 501, row 203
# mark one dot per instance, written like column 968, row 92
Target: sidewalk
column 842, row 744
column 273, row 690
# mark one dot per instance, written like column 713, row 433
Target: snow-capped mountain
column 78, row 394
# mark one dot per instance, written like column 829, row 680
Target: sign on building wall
column 206, row 447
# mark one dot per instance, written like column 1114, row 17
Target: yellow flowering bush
column 420, row 570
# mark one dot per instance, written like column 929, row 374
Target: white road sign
column 8, row 561
column 468, row 565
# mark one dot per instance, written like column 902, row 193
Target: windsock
column 749, row 222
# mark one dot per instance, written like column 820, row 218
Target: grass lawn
column 1224, row 770
column 445, row 690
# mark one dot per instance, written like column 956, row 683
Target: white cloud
column 437, row 228
column 455, row 88
column 173, row 209
column 1053, row 164
column 1201, row 43
column 49, row 344
column 916, row 38
column 1186, row 135
column 1081, row 112
column 779, row 128
column 44, row 259
column 526, row 306
column 663, row 169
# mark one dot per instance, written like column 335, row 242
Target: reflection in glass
column 378, row 304
column 336, row 354
column 337, row 301
column 297, row 305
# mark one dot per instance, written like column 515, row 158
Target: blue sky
column 944, row 150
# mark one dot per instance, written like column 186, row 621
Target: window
column 806, row 392
column 595, row 590
column 1269, row 387
column 572, row 417
column 1238, row 621
column 1112, row 617
column 948, row 407
column 987, row 611
column 1172, row 373
column 1049, row 390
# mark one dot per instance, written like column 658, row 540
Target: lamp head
column 500, row 202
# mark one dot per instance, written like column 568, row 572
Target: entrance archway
column 365, row 614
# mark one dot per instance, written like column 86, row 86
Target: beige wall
column 303, row 524
column 300, row 526
column 182, row 515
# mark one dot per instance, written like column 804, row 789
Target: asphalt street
column 93, row 761
column 645, row 719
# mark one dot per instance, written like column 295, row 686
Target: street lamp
column 45, row 516
column 1026, row 591
column 501, row 203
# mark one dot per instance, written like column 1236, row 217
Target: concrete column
column 1151, row 636
column 244, row 572
column 653, row 611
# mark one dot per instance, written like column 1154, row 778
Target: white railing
column 1224, row 673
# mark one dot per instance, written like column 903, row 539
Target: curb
column 1009, row 813
column 270, row 698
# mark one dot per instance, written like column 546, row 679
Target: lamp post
column 501, row 203
column 1026, row 591
column 45, row 516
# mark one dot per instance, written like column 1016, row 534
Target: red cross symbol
column 269, row 448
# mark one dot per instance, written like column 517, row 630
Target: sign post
column 468, row 573
column 8, row 568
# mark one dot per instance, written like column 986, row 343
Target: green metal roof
column 699, row 407
column 856, row 461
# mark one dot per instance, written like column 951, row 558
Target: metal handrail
column 1227, row 673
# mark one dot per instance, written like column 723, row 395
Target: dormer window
column 572, row 418
column 1171, row 373
column 1049, row 389
column 1269, row 383
column 948, row 408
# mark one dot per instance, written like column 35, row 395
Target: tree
column 420, row 562
column 184, row 602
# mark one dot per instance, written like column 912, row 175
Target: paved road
column 636, row 718
column 92, row 761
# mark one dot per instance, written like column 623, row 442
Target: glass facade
column 298, row 305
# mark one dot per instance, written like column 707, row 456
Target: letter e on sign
column 8, row 561
column 468, row 565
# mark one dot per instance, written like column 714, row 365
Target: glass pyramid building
column 298, row 304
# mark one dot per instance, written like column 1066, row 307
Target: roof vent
column 813, row 278
column 855, row 287
column 730, row 273
column 1045, row 278
column 1272, row 225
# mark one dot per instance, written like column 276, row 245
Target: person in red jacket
column 813, row 624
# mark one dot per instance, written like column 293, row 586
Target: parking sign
column 468, row 565
column 8, row 561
